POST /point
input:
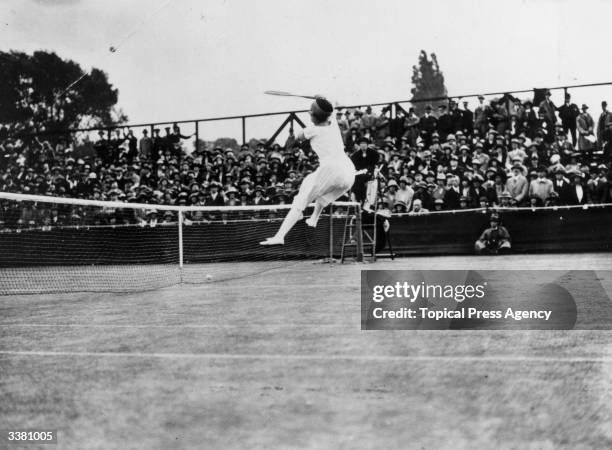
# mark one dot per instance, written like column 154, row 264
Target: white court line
column 304, row 284
column 281, row 357
column 218, row 325
column 214, row 284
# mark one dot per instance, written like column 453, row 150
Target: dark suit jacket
column 573, row 196
column 475, row 195
column 467, row 117
column 428, row 124
column 217, row 201
column 445, row 126
column 563, row 189
column 568, row 115
column 451, row 199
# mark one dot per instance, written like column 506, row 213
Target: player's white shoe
column 273, row 241
column 311, row 223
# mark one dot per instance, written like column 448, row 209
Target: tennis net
column 54, row 244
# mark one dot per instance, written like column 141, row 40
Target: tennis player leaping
column 335, row 175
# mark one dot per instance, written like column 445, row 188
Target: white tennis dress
column 336, row 172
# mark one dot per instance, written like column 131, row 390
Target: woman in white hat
column 334, row 177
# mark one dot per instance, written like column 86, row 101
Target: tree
column 227, row 143
column 39, row 92
column 428, row 81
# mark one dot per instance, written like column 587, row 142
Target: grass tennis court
column 271, row 355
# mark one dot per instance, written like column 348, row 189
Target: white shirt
column 405, row 195
column 327, row 143
column 579, row 192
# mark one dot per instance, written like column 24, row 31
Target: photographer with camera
column 494, row 239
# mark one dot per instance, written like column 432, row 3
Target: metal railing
column 393, row 107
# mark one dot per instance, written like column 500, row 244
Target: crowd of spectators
column 506, row 153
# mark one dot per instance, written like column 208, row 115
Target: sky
column 184, row 59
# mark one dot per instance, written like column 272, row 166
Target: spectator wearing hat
column 145, row 146
column 578, row 194
column 467, row 119
column 514, row 128
column 604, row 130
column 405, row 193
column 152, row 217
column 464, row 160
column 500, row 115
column 438, row 204
column 516, row 154
column 399, row 207
column 391, row 192
column 445, row 122
column 541, row 187
column 215, row 198
column 476, row 191
column 383, row 208
column 258, row 196
column 466, row 186
column 482, row 158
column 368, row 120
column 552, row 200
column 535, row 201
column 481, row 116
column 608, row 197
column 343, row 124
column 174, row 139
column 421, row 192
column 561, row 187
column 411, row 128
column 456, row 117
column 555, row 164
column 517, row 184
column 493, row 240
column 548, row 109
column 599, row 189
column 505, row 200
column 365, row 160
column 439, row 191
column 417, row 207
column 568, row 113
column 454, row 168
column 453, row 192
column 584, row 125
column 529, row 120
column 132, row 145
column 483, row 202
column 428, row 125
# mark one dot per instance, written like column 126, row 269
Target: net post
column 243, row 130
column 359, row 233
column 180, row 237
column 331, row 233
